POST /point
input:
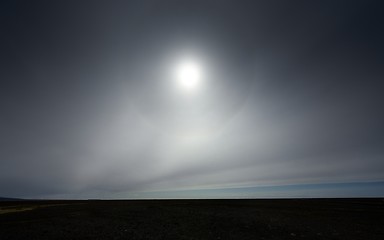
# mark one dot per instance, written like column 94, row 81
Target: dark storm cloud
column 87, row 109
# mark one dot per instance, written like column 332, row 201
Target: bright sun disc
column 188, row 74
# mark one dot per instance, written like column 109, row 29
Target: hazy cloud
column 291, row 94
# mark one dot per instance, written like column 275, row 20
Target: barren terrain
column 194, row 219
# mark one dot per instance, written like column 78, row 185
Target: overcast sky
column 289, row 93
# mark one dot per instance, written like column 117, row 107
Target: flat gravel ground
column 194, row 219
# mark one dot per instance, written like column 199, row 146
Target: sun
column 188, row 74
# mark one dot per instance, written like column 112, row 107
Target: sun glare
column 188, row 74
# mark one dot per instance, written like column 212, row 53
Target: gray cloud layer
column 292, row 94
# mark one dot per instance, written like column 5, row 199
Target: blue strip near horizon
column 316, row 186
column 323, row 190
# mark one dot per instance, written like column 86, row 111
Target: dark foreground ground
column 194, row 219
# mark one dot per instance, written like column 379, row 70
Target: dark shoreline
column 325, row 218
